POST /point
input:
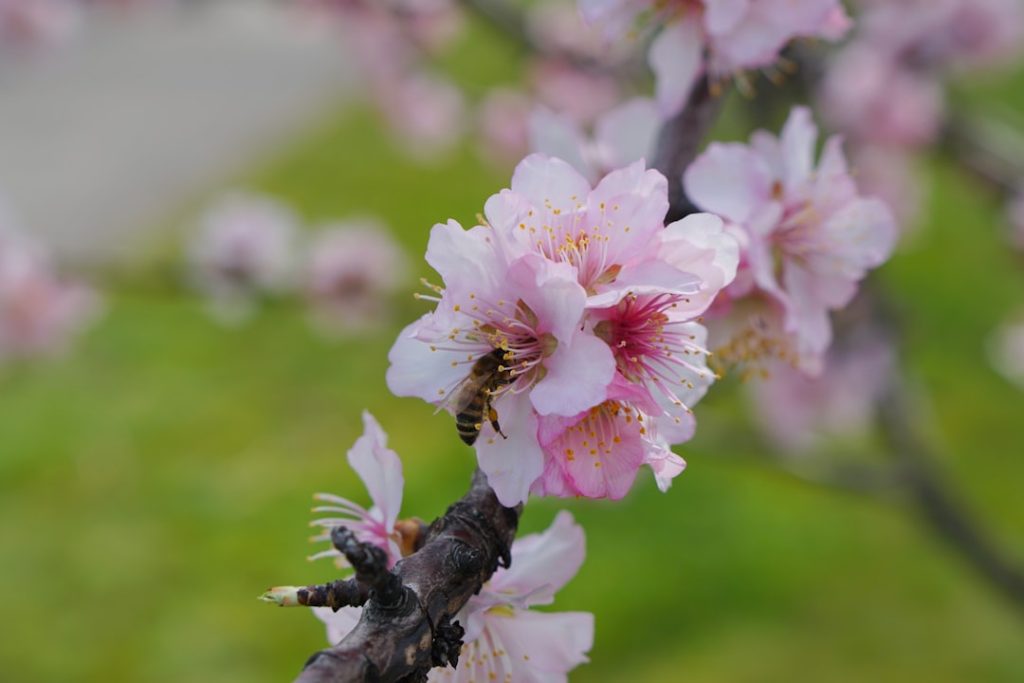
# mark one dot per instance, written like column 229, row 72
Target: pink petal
column 552, row 292
column 666, row 466
column 512, row 464
column 417, row 370
column 550, row 183
column 729, row 180
column 558, row 136
column 628, row 132
column 380, row 469
column 543, row 647
column 676, row 59
column 339, row 624
column 799, row 136
column 542, row 563
column 578, row 375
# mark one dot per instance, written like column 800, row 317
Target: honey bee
column 470, row 401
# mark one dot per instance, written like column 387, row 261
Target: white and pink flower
column 620, row 136
column 245, row 249
column 593, row 301
column 352, row 269
column 798, row 413
column 714, row 37
column 40, row 312
column 810, row 237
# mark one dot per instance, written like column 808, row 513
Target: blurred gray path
column 140, row 113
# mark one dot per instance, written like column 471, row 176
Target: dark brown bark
column 679, row 142
column 407, row 623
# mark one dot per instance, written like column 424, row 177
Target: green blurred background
column 157, row 480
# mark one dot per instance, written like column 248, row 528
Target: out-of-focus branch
column 406, row 626
column 679, row 141
column 992, row 151
column 939, row 507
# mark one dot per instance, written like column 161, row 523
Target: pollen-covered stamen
column 511, row 327
column 650, row 346
column 582, row 241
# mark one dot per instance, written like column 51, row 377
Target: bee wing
column 460, row 396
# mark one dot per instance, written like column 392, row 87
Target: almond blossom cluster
column 807, row 239
column 251, row 248
column 505, row 640
column 886, row 89
column 798, row 413
column 40, row 311
column 592, row 304
column 719, row 38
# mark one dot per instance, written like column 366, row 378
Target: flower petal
column 676, row 59
column 380, row 469
column 512, row 464
column 578, row 375
column 542, row 563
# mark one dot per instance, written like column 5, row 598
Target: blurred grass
column 156, row 481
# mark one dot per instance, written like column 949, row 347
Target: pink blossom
column 425, row 110
column 621, row 136
column 557, row 27
column 529, row 308
column 888, row 173
column 243, row 250
column 593, row 302
column 734, row 34
column 935, row 35
column 502, row 122
column 579, row 94
column 810, row 236
column 351, row 270
column 381, row 471
column 39, row 312
column 798, row 412
column 876, row 98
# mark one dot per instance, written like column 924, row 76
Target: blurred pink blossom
column 1006, row 350
column 502, row 122
column 717, row 37
column 798, row 412
column 573, row 92
column 876, row 98
column 621, row 136
column 352, row 269
column 592, row 303
column 426, row 111
column 810, row 236
column 40, row 312
column 888, row 173
column 245, row 249
column 25, row 24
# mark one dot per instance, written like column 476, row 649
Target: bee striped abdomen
column 470, row 420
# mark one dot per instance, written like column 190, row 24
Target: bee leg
column 492, row 415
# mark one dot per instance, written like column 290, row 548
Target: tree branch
column 406, row 626
column 679, row 141
column 946, row 515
